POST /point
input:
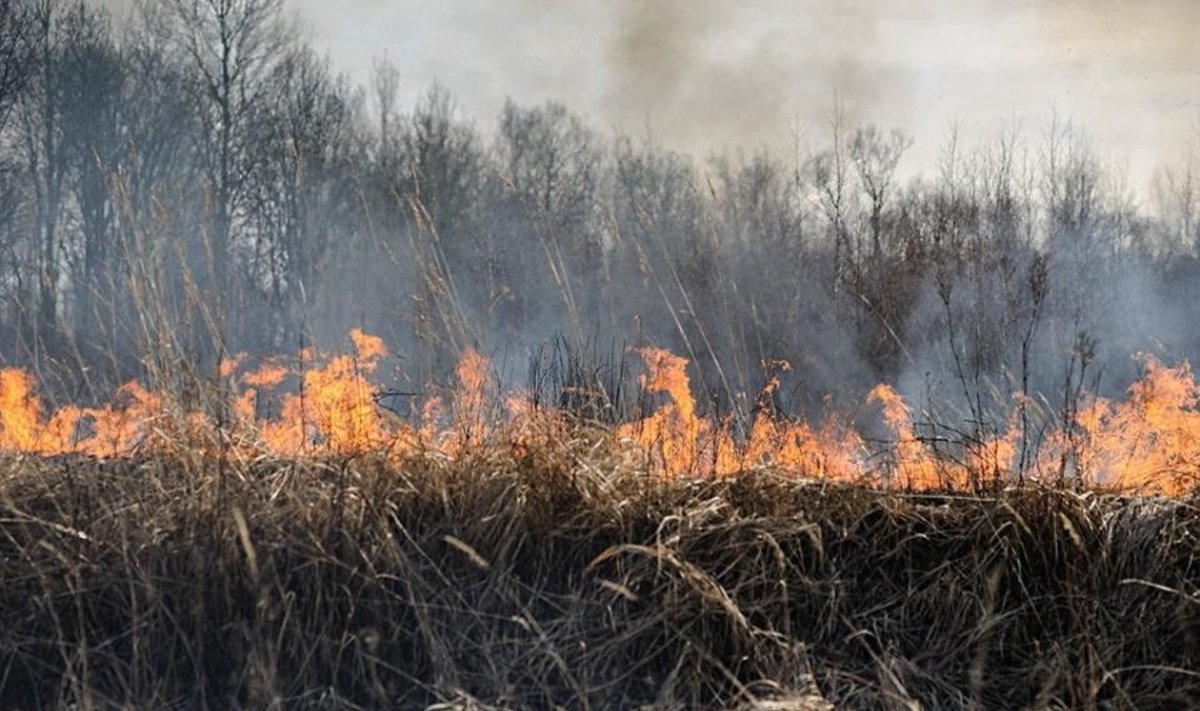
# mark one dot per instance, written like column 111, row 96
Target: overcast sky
column 704, row 75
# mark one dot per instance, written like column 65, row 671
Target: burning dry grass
column 326, row 404
column 561, row 575
column 495, row 553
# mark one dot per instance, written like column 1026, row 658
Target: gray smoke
column 705, row 74
column 732, row 259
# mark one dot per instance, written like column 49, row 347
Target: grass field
column 562, row 576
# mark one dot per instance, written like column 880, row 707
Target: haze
column 703, row 75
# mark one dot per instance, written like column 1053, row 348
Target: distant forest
column 199, row 181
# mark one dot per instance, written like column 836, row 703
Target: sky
column 706, row 75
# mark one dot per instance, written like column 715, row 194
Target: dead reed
column 562, row 577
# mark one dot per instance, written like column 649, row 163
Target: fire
column 673, row 432
column 915, row 467
column 268, row 376
column 105, row 431
column 468, row 421
column 1151, row 441
column 323, row 405
column 334, row 410
column 832, row 452
column 680, row 442
column 20, row 413
column 120, row 429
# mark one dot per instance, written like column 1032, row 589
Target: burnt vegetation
column 197, row 181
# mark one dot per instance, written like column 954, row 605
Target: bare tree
column 15, row 72
column 1177, row 193
column 15, row 52
column 549, row 162
column 385, row 88
column 94, row 105
column 875, row 157
column 442, row 165
column 230, row 48
column 830, row 176
column 297, row 182
column 45, row 156
column 551, row 159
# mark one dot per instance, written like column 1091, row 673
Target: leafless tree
column 296, row 183
column 829, row 172
column 15, row 52
column 45, row 154
column 549, row 163
column 551, row 160
column 875, row 156
column 1177, row 193
column 94, row 104
column 230, row 48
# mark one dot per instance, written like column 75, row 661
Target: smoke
column 707, row 75
column 1153, row 36
column 704, row 75
column 1128, row 72
column 701, row 75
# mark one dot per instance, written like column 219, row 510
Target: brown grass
column 559, row 579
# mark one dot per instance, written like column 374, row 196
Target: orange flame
column 114, row 429
column 1148, row 442
column 673, row 433
column 680, row 442
column 915, row 466
column 335, row 409
column 469, row 423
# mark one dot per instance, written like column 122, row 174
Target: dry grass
column 557, row 579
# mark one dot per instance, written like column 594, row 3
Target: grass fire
column 488, row 526
column 1146, row 443
column 598, row 355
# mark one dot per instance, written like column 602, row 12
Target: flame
column 469, row 421
column 1148, row 442
column 915, row 467
column 334, row 410
column 324, row 405
column 228, row 366
column 114, row 429
column 121, row 429
column 673, row 433
column 268, row 375
column 20, row 413
column 369, row 347
column 532, row 429
column 832, row 452
column 680, row 442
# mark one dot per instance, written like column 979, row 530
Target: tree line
column 199, row 181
